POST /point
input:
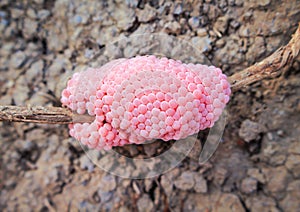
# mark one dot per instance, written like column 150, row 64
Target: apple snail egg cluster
column 144, row 98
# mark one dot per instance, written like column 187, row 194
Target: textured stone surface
column 277, row 179
column 185, row 181
column 293, row 164
column 18, row 59
column 43, row 42
column 262, row 203
column 250, row 130
column 145, row 204
column 213, row 202
column 291, row 201
column 200, row 184
column 249, row 185
column 228, row 202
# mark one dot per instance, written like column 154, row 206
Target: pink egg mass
column 144, row 98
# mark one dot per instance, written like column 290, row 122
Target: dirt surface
column 256, row 168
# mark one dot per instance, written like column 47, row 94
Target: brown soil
column 256, row 168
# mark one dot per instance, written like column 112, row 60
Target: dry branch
column 46, row 115
column 273, row 65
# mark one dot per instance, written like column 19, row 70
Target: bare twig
column 47, row 115
column 273, row 65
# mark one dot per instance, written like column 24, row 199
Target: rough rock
column 294, row 148
column 220, row 176
column 256, row 174
column 221, row 24
column 220, row 43
column 258, row 3
column 250, row 130
column 272, row 152
column 105, row 196
column 277, row 179
column 291, row 201
column 39, row 1
column 86, row 163
column 57, row 38
column 228, row 202
column 278, row 26
column 256, row 49
column 29, row 28
column 145, row 204
column 58, row 72
column 5, row 100
column 248, row 185
column 293, row 164
column 107, row 183
column 132, row 3
column 20, row 92
column 185, row 181
column 261, row 203
column 35, row 72
column 198, row 202
column 105, row 35
column 148, row 184
column 194, row 22
column 214, row 202
column 16, row 13
column 172, row 27
column 167, row 185
column 178, row 9
column 43, row 14
column 229, row 54
column 234, row 24
column 244, row 31
column 212, row 11
column 126, row 18
column 201, row 32
column 151, row 149
column 203, row 44
column 18, row 59
column 147, row 14
column 31, row 13
column 200, row 183
column 273, row 43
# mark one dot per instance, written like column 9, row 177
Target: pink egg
column 134, row 121
column 141, row 126
column 141, row 118
column 164, row 105
column 173, row 103
column 144, row 133
column 142, row 98
column 176, row 125
column 160, row 96
column 148, row 114
column 170, row 112
column 124, row 124
column 169, row 121
column 154, row 120
column 145, row 100
column 142, row 108
column 153, row 133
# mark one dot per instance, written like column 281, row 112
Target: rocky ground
column 256, row 168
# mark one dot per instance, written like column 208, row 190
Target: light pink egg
column 143, row 98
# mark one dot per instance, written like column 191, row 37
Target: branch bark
column 272, row 66
column 43, row 115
